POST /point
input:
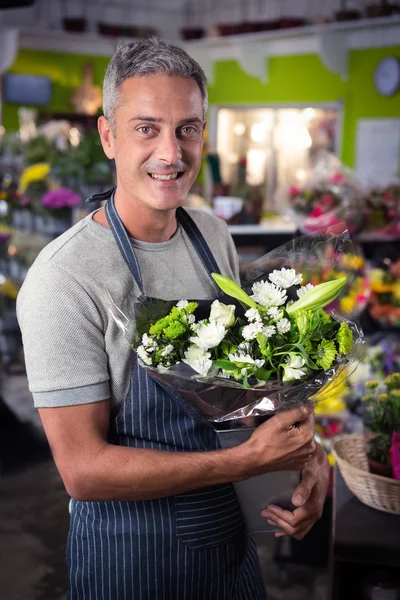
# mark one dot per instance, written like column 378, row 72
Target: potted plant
column 382, row 418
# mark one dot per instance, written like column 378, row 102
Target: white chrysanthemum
column 242, row 358
column 285, row 278
column 182, row 304
column 283, row 326
column 274, row 313
column 252, row 315
column 250, row 332
column 269, row 331
column 209, row 335
column 304, row 289
column 198, row 359
column 167, row 350
column 141, row 351
column 191, row 319
column 148, row 341
column 267, row 294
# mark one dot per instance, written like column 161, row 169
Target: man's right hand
column 284, row 442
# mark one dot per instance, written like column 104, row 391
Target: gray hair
column 149, row 56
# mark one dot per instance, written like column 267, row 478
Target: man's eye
column 188, row 129
column 144, row 129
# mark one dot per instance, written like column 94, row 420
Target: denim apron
column 192, row 546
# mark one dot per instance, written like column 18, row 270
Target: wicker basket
column 378, row 492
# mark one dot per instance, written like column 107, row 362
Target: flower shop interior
column 302, row 139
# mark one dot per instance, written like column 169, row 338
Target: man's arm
column 93, row 469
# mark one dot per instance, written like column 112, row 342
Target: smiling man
column 153, row 513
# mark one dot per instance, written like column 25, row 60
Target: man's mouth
column 167, row 177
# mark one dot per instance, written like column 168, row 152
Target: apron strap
column 124, row 243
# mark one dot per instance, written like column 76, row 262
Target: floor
column 34, row 520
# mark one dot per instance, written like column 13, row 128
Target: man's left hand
column 309, row 498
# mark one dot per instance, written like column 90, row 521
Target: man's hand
column 283, row 443
column 309, row 498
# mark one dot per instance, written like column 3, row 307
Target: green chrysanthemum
column 326, row 353
column 158, row 327
column 174, row 330
column 345, row 338
column 324, row 317
column 191, row 307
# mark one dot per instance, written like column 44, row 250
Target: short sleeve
column 62, row 332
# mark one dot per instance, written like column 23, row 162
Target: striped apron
column 192, row 546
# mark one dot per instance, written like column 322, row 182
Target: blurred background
column 303, row 134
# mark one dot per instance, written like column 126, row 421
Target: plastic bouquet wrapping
column 333, row 265
column 329, row 196
column 253, row 350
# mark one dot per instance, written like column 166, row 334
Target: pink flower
column 60, row 198
column 395, row 455
column 294, row 191
column 336, row 178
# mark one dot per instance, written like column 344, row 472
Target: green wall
column 65, row 70
column 303, row 78
column 293, row 79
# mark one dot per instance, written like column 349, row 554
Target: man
column 154, row 515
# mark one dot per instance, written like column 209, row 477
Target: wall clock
column 387, row 76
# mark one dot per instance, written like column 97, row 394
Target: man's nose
column 169, row 149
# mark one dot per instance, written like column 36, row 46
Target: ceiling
column 168, row 17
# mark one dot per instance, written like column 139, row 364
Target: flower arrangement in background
column 382, row 417
column 275, row 337
column 329, row 197
column 383, row 210
column 384, row 303
column 334, row 265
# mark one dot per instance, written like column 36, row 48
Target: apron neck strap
column 125, row 246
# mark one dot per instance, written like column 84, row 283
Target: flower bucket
column 256, row 493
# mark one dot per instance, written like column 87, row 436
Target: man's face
column 158, row 139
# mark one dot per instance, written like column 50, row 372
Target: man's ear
column 106, row 137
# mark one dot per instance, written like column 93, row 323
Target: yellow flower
column 3, row 195
column 347, row 304
column 34, row 173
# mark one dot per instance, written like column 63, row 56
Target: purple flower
column 60, row 198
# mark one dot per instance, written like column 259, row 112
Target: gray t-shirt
column 75, row 352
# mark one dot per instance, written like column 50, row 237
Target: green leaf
column 221, row 363
column 232, row 289
column 262, row 374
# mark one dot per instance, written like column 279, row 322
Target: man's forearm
column 121, row 473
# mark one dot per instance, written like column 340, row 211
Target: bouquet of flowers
column 384, row 304
column 383, row 211
column 256, row 349
column 329, row 197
